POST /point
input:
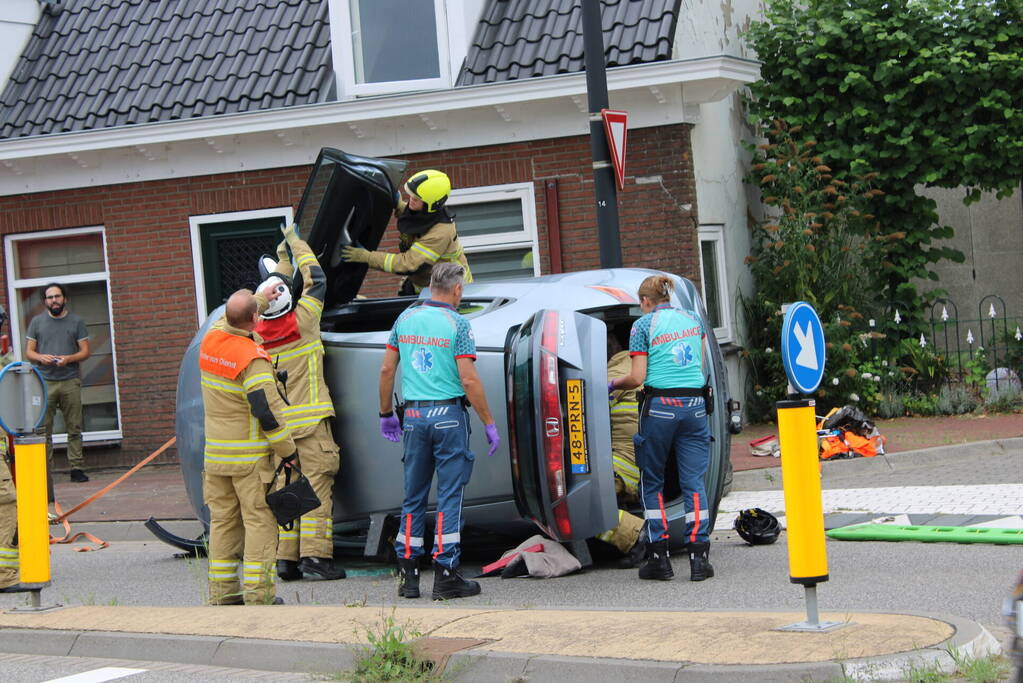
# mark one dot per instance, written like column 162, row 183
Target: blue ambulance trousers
column 434, row 438
column 674, row 426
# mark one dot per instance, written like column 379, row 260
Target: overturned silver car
column 541, row 353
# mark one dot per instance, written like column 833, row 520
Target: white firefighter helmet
column 284, row 302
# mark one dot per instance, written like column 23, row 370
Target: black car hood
column 348, row 199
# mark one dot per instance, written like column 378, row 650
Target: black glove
column 291, row 459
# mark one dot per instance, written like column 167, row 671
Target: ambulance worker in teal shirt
column 437, row 353
column 668, row 346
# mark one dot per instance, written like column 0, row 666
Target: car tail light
column 550, row 415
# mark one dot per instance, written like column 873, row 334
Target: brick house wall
column 150, row 261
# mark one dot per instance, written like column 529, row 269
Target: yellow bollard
column 33, row 523
column 801, row 482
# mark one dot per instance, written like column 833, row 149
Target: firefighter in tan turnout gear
column 8, row 523
column 8, row 505
column 291, row 334
column 245, row 430
column 624, row 425
column 427, row 235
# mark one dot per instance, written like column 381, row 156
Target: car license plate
column 576, row 427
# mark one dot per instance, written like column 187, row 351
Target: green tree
column 920, row 92
column 817, row 245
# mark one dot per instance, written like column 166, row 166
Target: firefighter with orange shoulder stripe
column 246, row 434
column 427, row 235
column 667, row 346
column 291, row 334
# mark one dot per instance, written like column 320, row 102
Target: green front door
column 230, row 254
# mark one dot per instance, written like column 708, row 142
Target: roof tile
column 99, row 63
column 528, row 38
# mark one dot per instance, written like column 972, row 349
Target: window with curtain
column 76, row 259
column 712, row 276
column 497, row 228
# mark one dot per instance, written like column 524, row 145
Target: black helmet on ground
column 757, row 527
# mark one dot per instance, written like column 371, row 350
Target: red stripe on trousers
column 440, row 535
column 664, row 517
column 408, row 535
column 696, row 521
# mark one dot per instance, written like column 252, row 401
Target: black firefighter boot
column 657, row 566
column 448, row 584
column 288, row 570
column 408, row 577
column 699, row 562
column 634, row 557
column 321, row 568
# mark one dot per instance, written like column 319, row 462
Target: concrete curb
column 479, row 664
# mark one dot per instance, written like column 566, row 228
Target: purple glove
column 390, row 428
column 493, row 438
column 610, row 388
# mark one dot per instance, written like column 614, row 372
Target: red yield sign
column 615, row 123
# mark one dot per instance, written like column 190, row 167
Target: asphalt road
column 45, row 669
column 968, row 581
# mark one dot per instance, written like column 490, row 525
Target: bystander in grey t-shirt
column 57, row 337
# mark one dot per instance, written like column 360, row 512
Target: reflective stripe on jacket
column 624, row 422
column 302, row 358
column 439, row 243
column 235, row 439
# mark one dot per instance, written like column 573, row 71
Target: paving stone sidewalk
column 902, row 434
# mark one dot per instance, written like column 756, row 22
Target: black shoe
column 699, row 562
column 321, row 567
column 79, row 475
column 634, row 557
column 656, row 566
column 277, row 601
column 448, row 584
column 408, row 577
column 288, row 570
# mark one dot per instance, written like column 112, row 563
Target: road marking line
column 980, row 499
column 108, row 673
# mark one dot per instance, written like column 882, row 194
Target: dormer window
column 389, row 46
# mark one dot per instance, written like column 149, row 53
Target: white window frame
column 14, row 284
column 519, row 239
column 716, row 234
column 451, row 49
column 195, row 222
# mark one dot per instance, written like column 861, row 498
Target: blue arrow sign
column 802, row 347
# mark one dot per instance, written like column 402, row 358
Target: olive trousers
column 65, row 396
column 243, row 531
column 318, row 459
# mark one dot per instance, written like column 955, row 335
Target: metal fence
column 992, row 342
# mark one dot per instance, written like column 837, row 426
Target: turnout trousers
column 8, row 525
column 313, row 535
column 435, row 439
column 243, row 535
column 676, row 427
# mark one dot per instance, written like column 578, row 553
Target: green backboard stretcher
column 927, row 534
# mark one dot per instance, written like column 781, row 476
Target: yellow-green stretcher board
column 926, row 534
